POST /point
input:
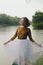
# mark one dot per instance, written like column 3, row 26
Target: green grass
column 39, row 61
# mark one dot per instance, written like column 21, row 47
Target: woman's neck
column 23, row 26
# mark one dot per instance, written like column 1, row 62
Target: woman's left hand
column 40, row 45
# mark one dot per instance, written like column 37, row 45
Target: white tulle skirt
column 21, row 51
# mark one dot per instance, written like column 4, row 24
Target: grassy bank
column 39, row 61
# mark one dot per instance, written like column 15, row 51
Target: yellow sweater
column 21, row 32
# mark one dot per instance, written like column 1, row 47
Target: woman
column 22, row 45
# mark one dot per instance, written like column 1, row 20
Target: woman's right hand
column 7, row 42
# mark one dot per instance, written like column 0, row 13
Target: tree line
column 8, row 20
column 37, row 20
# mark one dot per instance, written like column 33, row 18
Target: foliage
column 8, row 20
column 37, row 20
column 39, row 61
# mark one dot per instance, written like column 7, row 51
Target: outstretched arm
column 31, row 39
column 14, row 36
column 30, row 35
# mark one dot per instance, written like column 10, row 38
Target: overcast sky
column 20, row 8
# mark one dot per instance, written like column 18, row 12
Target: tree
column 37, row 20
column 8, row 20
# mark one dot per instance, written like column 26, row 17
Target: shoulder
column 18, row 28
column 28, row 29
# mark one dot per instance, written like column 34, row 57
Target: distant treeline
column 6, row 20
column 37, row 20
